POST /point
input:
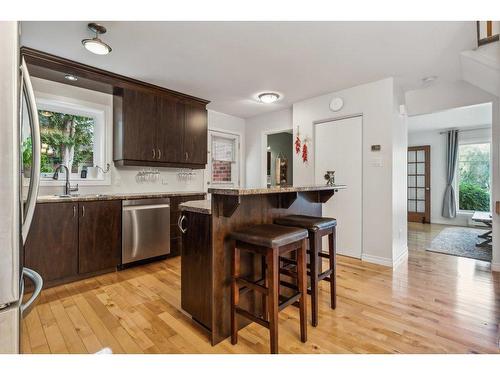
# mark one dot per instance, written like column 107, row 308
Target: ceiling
column 473, row 116
column 229, row 63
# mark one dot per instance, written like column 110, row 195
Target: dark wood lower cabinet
column 51, row 248
column 175, row 234
column 73, row 240
column 196, row 268
column 99, row 235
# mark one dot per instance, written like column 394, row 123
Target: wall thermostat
column 336, row 104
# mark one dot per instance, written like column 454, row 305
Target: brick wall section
column 221, row 171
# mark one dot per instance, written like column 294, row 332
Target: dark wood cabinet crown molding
column 51, row 67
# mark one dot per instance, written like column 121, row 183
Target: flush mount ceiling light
column 71, row 77
column 268, row 97
column 429, row 79
column 96, row 45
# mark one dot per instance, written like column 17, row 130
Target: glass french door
column 419, row 184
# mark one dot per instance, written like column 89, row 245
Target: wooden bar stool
column 269, row 241
column 317, row 227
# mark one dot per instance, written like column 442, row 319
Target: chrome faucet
column 67, row 187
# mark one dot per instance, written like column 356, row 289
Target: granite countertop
column 202, row 207
column 113, row 196
column 272, row 190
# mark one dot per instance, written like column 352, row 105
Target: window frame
column 236, row 154
column 471, row 141
column 102, row 117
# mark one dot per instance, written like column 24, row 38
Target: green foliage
column 64, row 133
column 473, row 197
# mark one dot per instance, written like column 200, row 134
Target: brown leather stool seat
column 312, row 223
column 269, row 242
column 270, row 235
column 317, row 228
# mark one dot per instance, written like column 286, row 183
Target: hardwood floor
column 433, row 303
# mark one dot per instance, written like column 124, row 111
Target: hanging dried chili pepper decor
column 297, row 142
column 305, row 151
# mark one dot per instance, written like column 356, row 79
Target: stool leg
column 273, row 297
column 235, row 294
column 302, row 284
column 266, row 284
column 332, row 245
column 315, row 246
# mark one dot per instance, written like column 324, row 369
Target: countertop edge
column 257, row 191
column 202, row 207
column 115, row 196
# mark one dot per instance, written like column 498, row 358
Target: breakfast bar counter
column 206, row 257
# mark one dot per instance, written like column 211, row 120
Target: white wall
column 256, row 132
column 438, row 169
column 383, row 212
column 123, row 178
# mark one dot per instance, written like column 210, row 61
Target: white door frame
column 331, row 119
column 263, row 153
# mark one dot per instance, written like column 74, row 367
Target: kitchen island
column 206, row 253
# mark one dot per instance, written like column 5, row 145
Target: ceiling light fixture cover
column 268, row 97
column 96, row 45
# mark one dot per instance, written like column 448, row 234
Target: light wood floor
column 433, row 303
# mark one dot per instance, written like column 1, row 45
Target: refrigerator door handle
column 27, row 88
column 38, row 283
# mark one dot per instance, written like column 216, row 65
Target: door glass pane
column 412, row 156
column 412, row 194
column 420, row 193
column 420, row 181
column 412, row 207
column 420, row 168
column 411, row 181
column 421, row 155
column 420, row 206
column 411, row 168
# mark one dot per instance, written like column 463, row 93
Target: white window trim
column 102, row 130
column 456, row 184
column 237, row 138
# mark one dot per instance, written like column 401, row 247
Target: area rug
column 460, row 241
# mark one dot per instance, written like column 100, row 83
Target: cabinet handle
column 74, row 211
column 154, row 153
column 179, row 223
column 187, row 155
column 159, row 154
column 83, row 211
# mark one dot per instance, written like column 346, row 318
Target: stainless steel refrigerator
column 19, row 181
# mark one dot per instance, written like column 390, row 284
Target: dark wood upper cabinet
column 99, row 239
column 135, row 120
column 159, row 130
column 51, row 248
column 169, row 134
column 195, row 133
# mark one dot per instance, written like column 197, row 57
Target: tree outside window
column 66, row 139
column 474, row 177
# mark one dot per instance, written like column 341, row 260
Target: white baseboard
column 377, row 260
column 401, row 258
column 495, row 267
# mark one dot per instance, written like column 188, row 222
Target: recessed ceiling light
column 429, row 79
column 96, row 45
column 268, row 97
column 71, row 77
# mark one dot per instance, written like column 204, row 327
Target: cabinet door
column 196, row 265
column 99, row 237
column 51, row 248
column 139, row 125
column 195, row 134
column 169, row 129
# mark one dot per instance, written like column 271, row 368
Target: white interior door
column 339, row 148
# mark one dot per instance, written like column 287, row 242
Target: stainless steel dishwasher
column 146, row 229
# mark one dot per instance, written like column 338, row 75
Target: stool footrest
column 252, row 317
column 324, row 275
column 252, row 285
column 324, row 255
column 287, row 301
